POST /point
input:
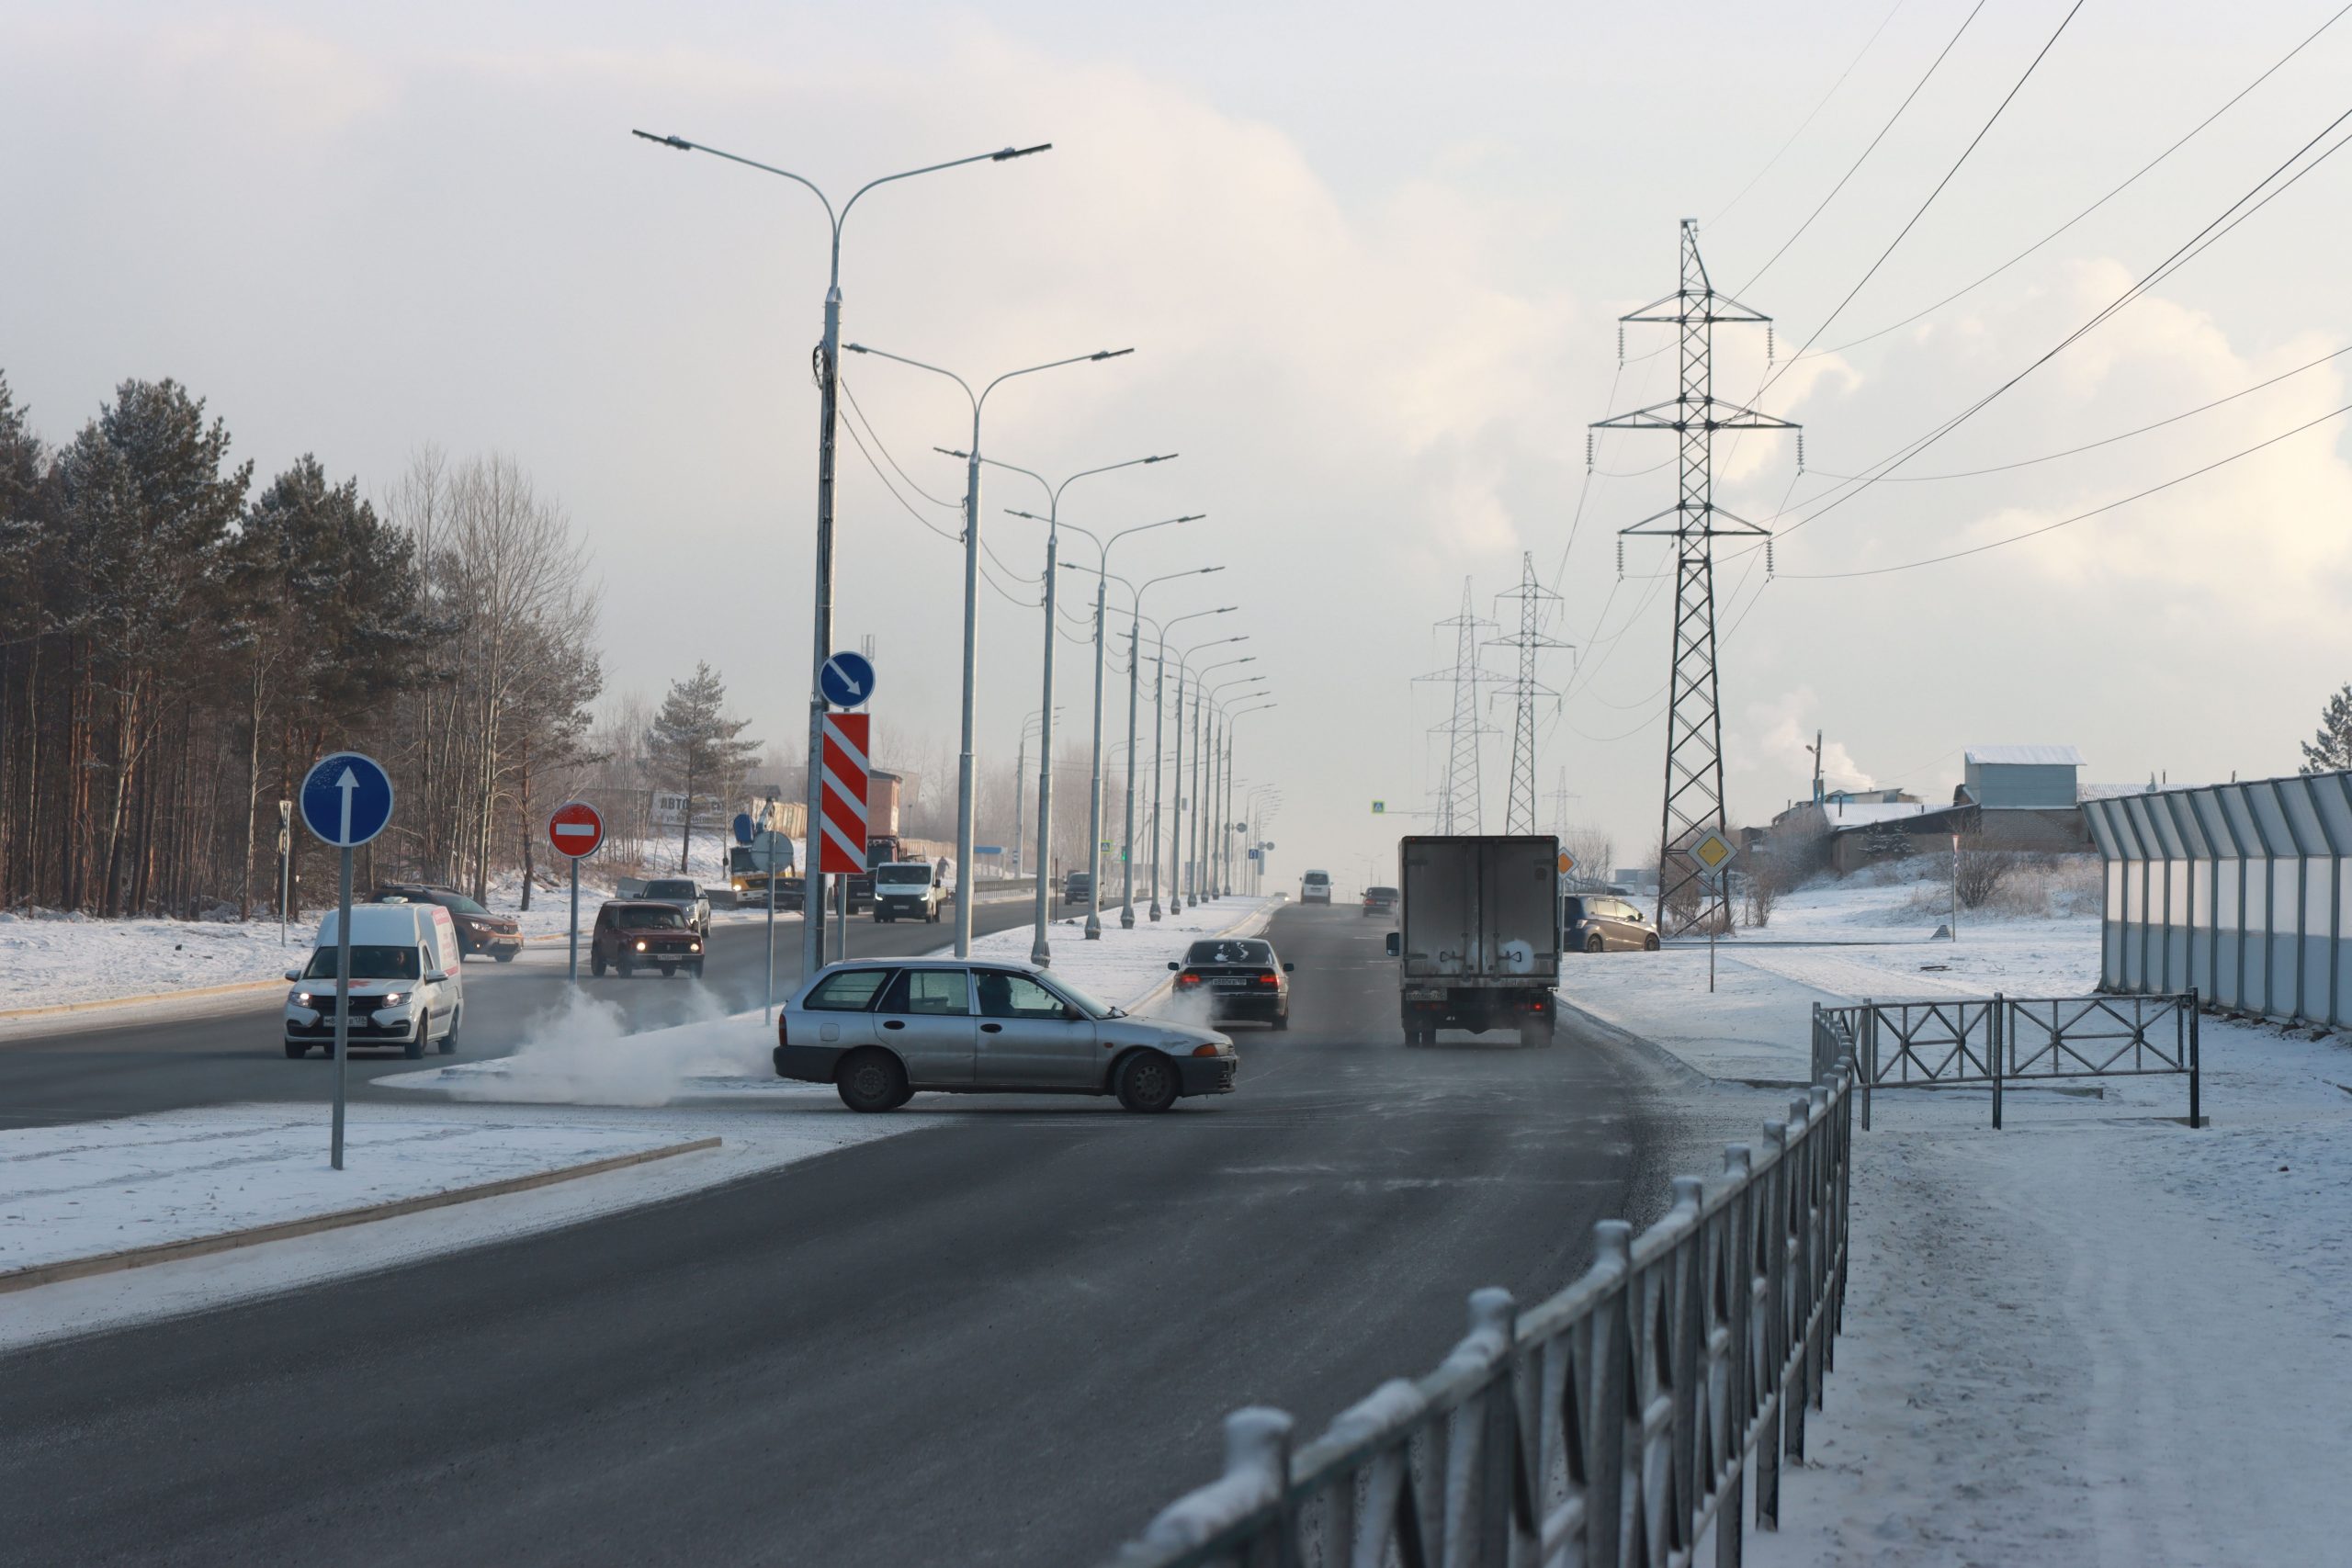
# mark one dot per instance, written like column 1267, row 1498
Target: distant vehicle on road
column 1478, row 934
column 881, row 1031
column 633, row 934
column 1241, row 978
column 908, row 890
column 748, row 866
column 479, row 931
column 406, row 988
column 1591, row 922
column 1380, row 901
column 685, row 895
column 1077, row 887
column 1314, row 888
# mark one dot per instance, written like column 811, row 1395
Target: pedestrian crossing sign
column 1380, row 808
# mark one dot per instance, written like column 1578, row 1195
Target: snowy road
column 1030, row 1316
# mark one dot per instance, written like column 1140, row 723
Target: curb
column 1658, row 1056
column 285, row 1230
column 96, row 1003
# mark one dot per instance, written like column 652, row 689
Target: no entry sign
column 841, row 836
column 575, row 829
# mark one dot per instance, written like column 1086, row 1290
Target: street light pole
column 1201, row 695
column 1210, row 846
column 963, row 762
column 1134, row 665
column 1176, row 827
column 1041, row 952
column 1231, row 719
column 829, row 382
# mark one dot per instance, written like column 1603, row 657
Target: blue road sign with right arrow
column 847, row 680
column 346, row 798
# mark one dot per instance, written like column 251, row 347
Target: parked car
column 881, row 1030
column 1077, row 887
column 908, row 890
column 687, row 896
column 479, row 931
column 1241, row 978
column 1593, row 922
column 1380, row 901
column 636, row 933
column 1314, row 888
column 406, row 989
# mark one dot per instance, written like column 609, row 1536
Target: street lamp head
column 679, row 142
column 1010, row 152
column 1109, row 352
column 947, row 451
column 1016, row 512
column 856, row 348
column 1193, row 518
column 1163, row 457
column 1206, row 570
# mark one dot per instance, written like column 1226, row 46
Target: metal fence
column 2237, row 891
column 1613, row 1423
column 2009, row 1040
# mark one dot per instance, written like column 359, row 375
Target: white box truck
column 1478, row 937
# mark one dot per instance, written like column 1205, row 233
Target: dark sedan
column 1380, row 901
column 1241, row 979
column 1595, row 924
column 479, row 931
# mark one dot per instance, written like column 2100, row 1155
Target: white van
column 1314, row 888
column 407, row 987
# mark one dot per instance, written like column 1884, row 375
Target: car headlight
column 640, row 947
column 301, row 999
column 694, row 947
column 394, row 999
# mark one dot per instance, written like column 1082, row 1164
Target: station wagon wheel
column 872, row 1080
column 1147, row 1082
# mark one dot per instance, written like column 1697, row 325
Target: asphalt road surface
column 75, row 1070
column 1007, row 1337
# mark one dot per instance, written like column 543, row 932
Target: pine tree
column 692, row 744
column 2330, row 751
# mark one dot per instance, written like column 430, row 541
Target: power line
column 1821, row 104
column 1983, row 131
column 1858, row 163
column 2094, row 206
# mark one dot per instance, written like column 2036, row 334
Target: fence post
column 1770, row 1238
column 1605, row 1399
column 1869, row 1066
column 1996, row 1029
column 1738, row 1402
column 2194, row 1118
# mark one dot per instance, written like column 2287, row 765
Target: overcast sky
column 1370, row 258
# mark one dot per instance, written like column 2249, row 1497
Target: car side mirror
column 1395, row 945
column 1173, row 963
column 1290, row 968
column 297, row 973
column 438, row 976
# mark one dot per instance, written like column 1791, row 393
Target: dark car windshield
column 1229, row 952
column 670, row 890
column 661, row 919
column 1380, row 893
column 369, row 962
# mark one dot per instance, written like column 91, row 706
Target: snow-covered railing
column 2002, row 1041
column 1615, row 1424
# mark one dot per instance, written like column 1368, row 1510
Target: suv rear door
column 926, row 1017
column 1026, row 1041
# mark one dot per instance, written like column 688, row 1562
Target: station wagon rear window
column 847, row 990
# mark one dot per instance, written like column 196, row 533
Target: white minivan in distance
column 407, row 987
column 1314, row 888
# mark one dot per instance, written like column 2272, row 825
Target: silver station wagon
column 879, row 1030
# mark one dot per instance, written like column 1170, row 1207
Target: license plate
column 1233, row 985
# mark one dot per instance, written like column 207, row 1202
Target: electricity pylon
column 1457, row 802
column 1694, row 721
column 1518, row 803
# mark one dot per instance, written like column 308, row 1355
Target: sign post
column 347, row 800
column 842, row 835
column 1713, row 856
column 844, row 681
column 284, row 864
column 576, row 830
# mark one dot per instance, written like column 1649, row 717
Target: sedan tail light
column 1189, row 977
column 783, row 1037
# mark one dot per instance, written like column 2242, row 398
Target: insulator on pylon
column 1800, row 452
column 1767, row 342
column 1620, row 558
column 1587, row 449
column 1767, row 558
column 1620, row 343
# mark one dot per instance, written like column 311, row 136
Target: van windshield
column 670, row 890
column 369, row 962
column 902, row 875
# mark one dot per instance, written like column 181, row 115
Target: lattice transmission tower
column 1694, row 724
column 1456, row 808
column 1525, row 691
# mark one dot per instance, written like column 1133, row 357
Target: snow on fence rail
column 1613, row 1423
column 2010, row 1039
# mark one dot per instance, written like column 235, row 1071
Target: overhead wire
column 1819, row 103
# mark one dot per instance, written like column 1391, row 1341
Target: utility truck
column 1478, row 938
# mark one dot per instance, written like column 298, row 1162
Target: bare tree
column 1980, row 869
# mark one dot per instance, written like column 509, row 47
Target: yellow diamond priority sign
column 1567, row 863
column 1712, row 853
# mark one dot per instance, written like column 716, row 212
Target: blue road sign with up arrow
column 847, row 680
column 346, row 798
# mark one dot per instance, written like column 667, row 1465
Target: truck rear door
column 1518, row 881
column 1441, row 926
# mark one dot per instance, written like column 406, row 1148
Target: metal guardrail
column 2004, row 1041
column 1613, row 1423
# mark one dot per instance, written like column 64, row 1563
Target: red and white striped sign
column 842, row 843
column 575, row 829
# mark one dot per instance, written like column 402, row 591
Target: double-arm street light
column 829, row 384
column 1029, row 725
column 1227, row 826
column 1219, row 731
column 1158, row 685
column 1134, row 667
column 1040, row 949
column 1199, row 772
column 1102, row 549
column 972, row 461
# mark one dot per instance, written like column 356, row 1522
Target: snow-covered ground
column 2098, row 1336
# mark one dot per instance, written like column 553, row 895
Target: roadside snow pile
column 1915, row 895
column 47, row 960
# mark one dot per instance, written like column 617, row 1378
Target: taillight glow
column 1188, row 977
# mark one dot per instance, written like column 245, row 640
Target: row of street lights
column 829, row 374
